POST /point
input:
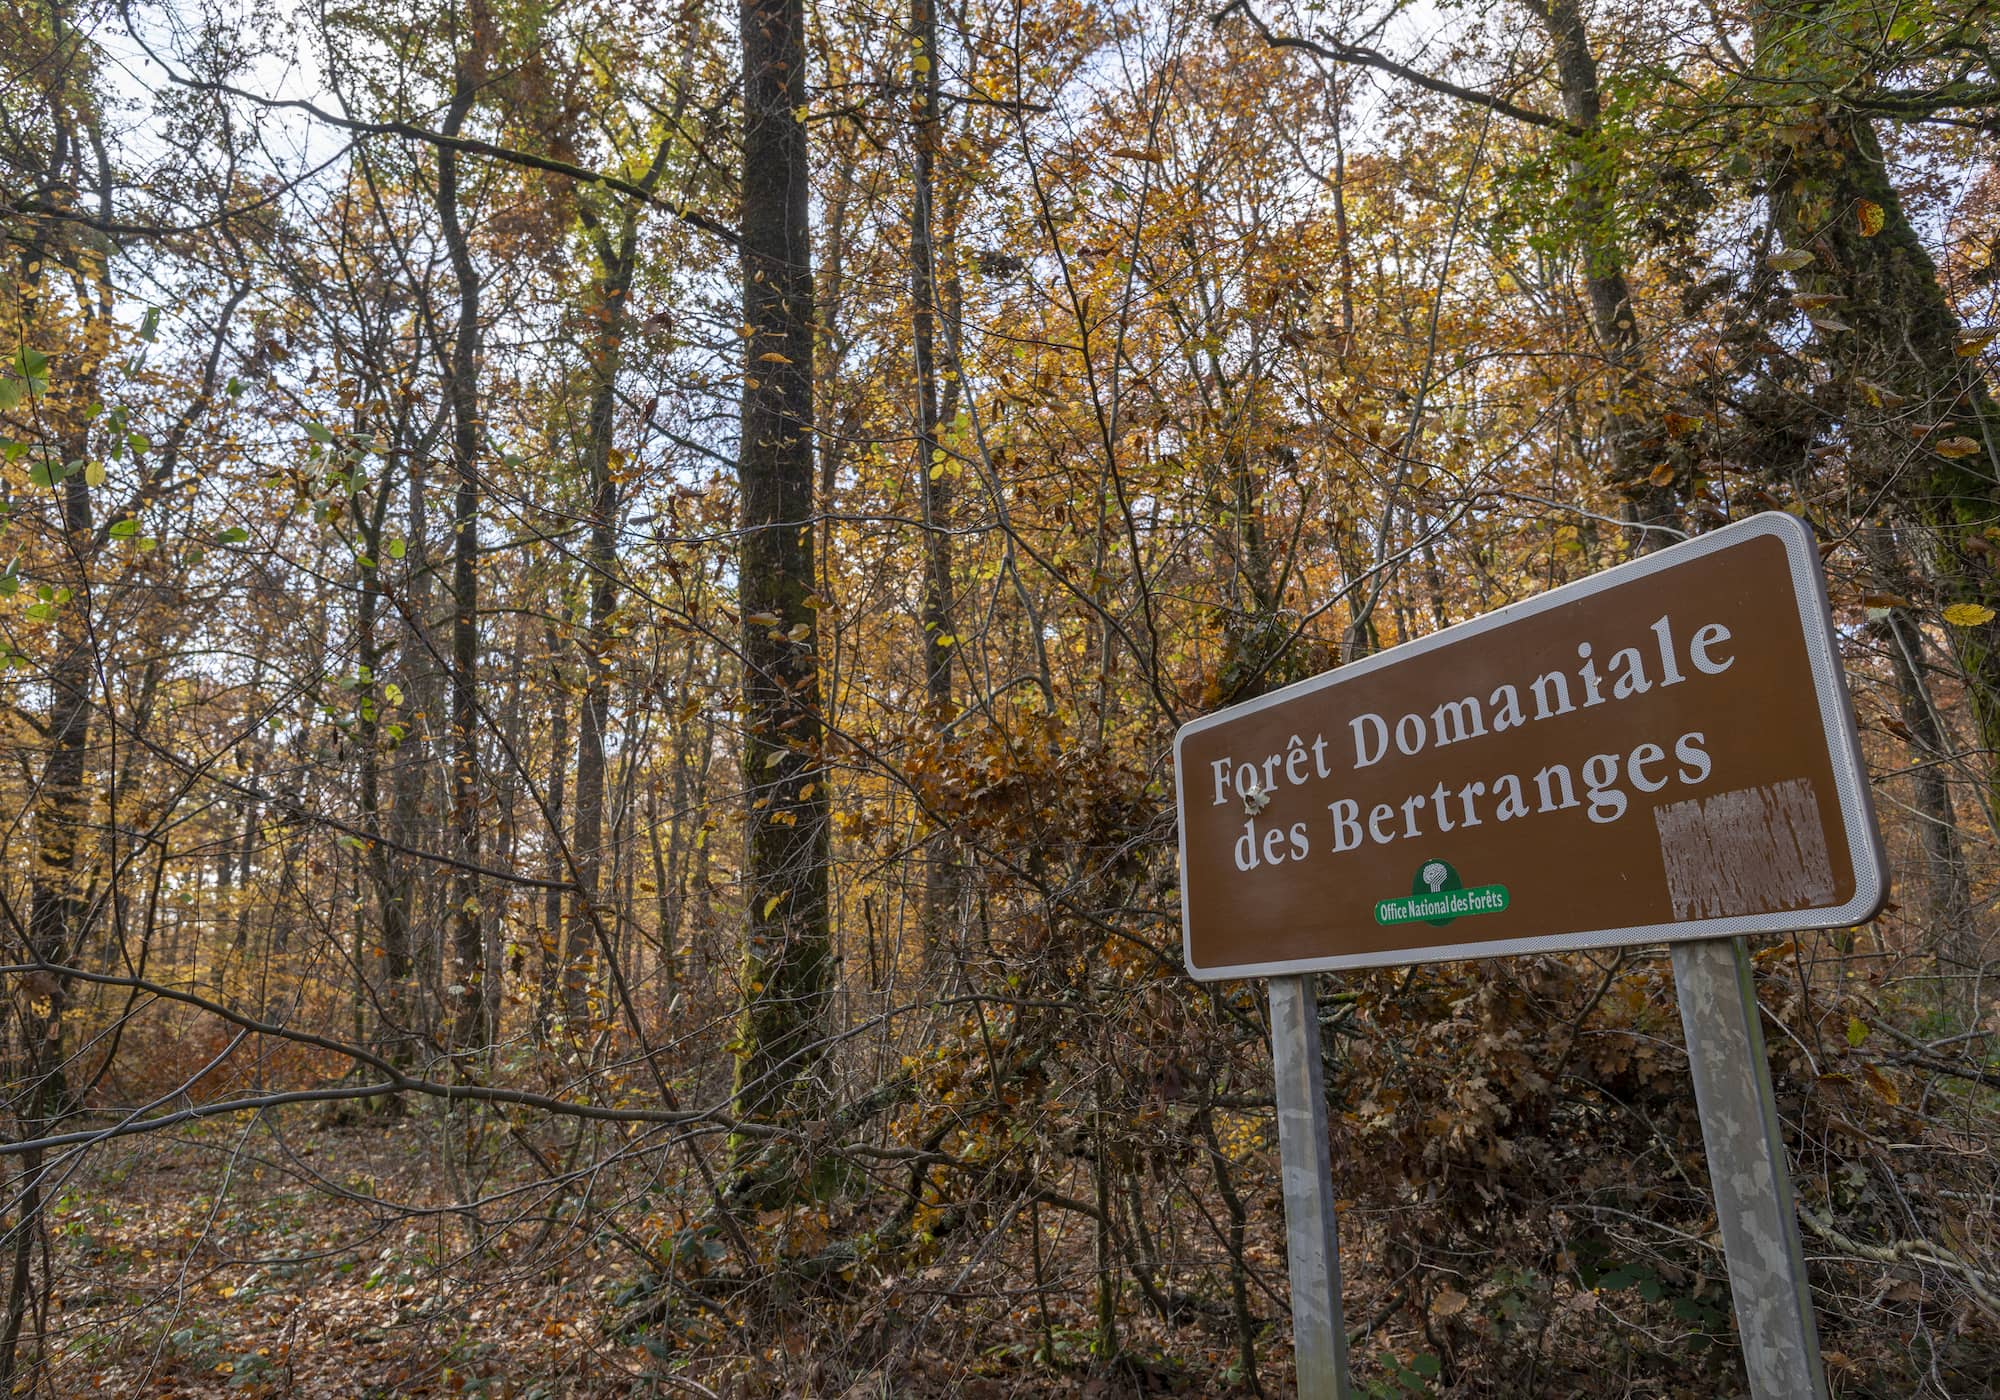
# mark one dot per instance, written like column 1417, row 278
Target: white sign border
column 1850, row 776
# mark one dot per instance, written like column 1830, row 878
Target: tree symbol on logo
column 1434, row 875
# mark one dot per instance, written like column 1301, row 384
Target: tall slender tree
column 787, row 962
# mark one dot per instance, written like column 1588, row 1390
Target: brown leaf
column 1449, row 1303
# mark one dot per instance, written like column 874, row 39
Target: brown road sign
column 1662, row 751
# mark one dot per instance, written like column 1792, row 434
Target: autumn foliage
column 591, row 631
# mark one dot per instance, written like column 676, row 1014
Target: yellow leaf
column 763, row 619
column 1968, row 615
column 1790, row 260
column 1971, row 342
column 93, row 475
column 1871, row 216
column 1134, row 153
column 772, row 903
column 1662, row 475
column 775, row 358
column 1955, row 447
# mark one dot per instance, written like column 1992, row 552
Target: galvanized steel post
column 1319, row 1334
column 1746, row 1169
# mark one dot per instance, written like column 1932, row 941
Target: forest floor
column 219, row 1266
column 313, row 1259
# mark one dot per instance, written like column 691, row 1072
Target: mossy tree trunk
column 787, row 962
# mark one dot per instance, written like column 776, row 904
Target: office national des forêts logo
column 1437, row 896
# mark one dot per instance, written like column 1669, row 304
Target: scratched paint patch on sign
column 1753, row 851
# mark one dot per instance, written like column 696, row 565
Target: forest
column 595, row 600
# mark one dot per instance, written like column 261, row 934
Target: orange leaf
column 1871, row 216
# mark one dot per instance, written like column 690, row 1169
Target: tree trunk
column 410, row 944
column 553, row 869
column 1949, row 927
column 1898, row 369
column 934, row 469
column 468, row 944
column 787, row 964
column 616, row 261
column 1629, row 470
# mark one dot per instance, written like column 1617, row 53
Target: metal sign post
column 1746, row 1170
column 1319, row 1335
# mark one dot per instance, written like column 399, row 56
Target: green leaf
column 139, row 443
column 319, row 434
column 11, row 392
column 10, row 583
column 1857, row 1031
column 40, row 612
column 125, row 529
column 235, row 534
column 149, row 326
column 395, row 548
column 42, row 474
